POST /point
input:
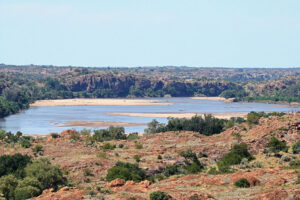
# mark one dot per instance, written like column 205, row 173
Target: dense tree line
column 206, row 125
column 19, row 87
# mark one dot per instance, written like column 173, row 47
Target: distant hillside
column 20, row 85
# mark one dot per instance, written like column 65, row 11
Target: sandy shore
column 98, row 102
column 214, row 98
column 178, row 115
column 96, row 123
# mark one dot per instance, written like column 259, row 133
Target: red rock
column 116, row 183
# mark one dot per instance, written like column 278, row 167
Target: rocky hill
column 270, row 175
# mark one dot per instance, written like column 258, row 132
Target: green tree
column 48, row 175
column 8, row 185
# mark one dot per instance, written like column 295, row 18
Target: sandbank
column 98, row 102
column 96, row 123
column 214, row 98
column 178, row 115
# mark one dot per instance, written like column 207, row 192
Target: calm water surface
column 41, row 120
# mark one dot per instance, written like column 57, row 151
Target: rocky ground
column 270, row 177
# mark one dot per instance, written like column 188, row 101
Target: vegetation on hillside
column 21, row 85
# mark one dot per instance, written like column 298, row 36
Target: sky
column 199, row 33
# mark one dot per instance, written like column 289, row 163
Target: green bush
column 54, row 135
column 126, row 171
column 38, row 149
column 137, row 158
column 138, row 146
column 276, row 145
column 13, row 164
column 242, row 183
column 171, row 170
column 133, row 136
column 192, row 164
column 296, row 147
column 236, row 154
column 87, row 172
column 26, row 192
column 110, row 133
column 207, row 125
column 108, row 146
column 121, row 145
column 159, row 157
column 48, row 175
column 159, row 195
column 8, row 185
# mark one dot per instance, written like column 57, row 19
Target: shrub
column 8, row 185
column 110, row 133
column 101, row 155
column 242, row 183
column 26, row 192
column 159, row 157
column 54, row 135
column 48, row 175
column 13, row 164
column 137, row 158
column 87, row 172
column 159, row 195
column 133, row 136
column 276, row 145
column 38, row 149
column 296, row 147
column 86, row 132
column 192, row 164
column 202, row 155
column 120, row 145
column 126, row 171
column 75, row 136
column 171, row 170
column 108, row 146
column 236, row 154
column 298, row 180
column 138, row 146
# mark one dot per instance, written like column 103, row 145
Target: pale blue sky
column 228, row 33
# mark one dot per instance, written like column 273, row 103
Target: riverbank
column 178, row 115
column 99, row 102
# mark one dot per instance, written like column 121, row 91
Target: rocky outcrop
column 65, row 193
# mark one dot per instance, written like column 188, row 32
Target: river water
column 43, row 120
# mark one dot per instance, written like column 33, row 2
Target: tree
column 8, row 185
column 48, row 175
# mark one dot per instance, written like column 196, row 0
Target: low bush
column 242, row 183
column 138, row 146
column 234, row 157
column 296, row 147
column 159, row 195
column 54, row 135
column 18, row 138
column 276, row 145
column 111, row 133
column 38, row 149
column 137, row 158
column 87, row 172
column 108, row 146
column 126, row 171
